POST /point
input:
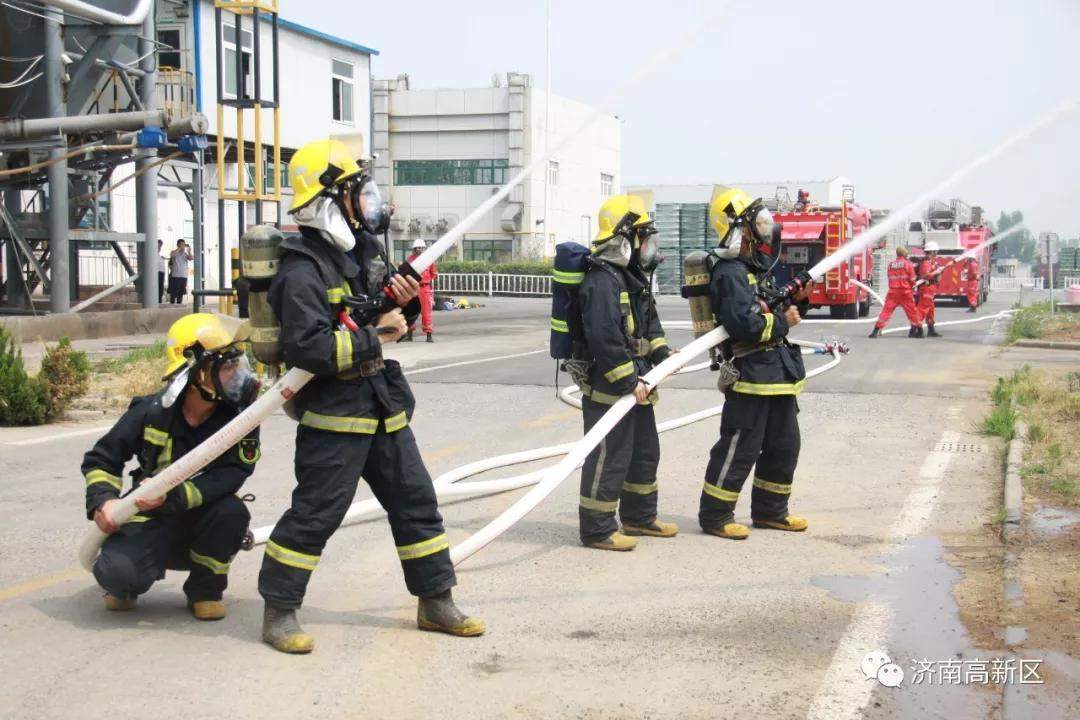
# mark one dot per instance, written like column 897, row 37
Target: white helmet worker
column 931, row 246
column 419, row 244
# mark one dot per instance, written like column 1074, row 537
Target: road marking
column 474, row 362
column 60, row 436
column 844, row 692
column 44, row 581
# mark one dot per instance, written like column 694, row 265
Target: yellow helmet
column 615, row 211
column 726, row 205
column 198, row 333
column 317, row 166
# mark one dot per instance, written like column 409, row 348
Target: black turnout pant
column 754, row 430
column 329, row 466
column 620, row 473
column 203, row 540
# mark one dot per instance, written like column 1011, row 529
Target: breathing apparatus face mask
column 233, row 381
column 619, row 248
column 367, row 205
column 647, row 248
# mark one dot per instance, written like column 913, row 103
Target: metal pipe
column 20, row 129
column 13, row 286
column 194, row 124
column 197, row 211
column 87, row 11
column 59, row 250
column 146, row 183
column 104, row 293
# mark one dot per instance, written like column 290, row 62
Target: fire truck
column 956, row 227
column 811, row 232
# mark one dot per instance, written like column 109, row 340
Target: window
column 341, row 82
column 553, row 172
column 268, row 176
column 169, row 54
column 489, row 250
column 228, row 33
column 606, row 183
column 450, row 172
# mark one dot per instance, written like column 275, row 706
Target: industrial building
column 112, row 66
column 441, row 152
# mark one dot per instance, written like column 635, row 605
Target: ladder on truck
column 834, row 238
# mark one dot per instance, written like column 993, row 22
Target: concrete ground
column 893, row 478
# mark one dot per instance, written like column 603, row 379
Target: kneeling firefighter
column 760, row 377
column 200, row 524
column 617, row 338
column 329, row 297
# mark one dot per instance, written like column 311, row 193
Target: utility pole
column 1050, row 238
column 59, row 258
column 146, row 184
column 547, row 120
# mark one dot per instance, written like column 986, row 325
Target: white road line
column 60, row 436
column 103, row 428
column 474, row 362
column 844, row 692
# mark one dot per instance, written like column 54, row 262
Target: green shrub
column 23, row 400
column 524, row 267
column 65, row 372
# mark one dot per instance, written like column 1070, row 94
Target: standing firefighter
column 427, row 294
column 200, row 524
column 901, row 275
column 618, row 337
column 354, row 415
column 970, row 278
column 927, row 286
column 760, row 376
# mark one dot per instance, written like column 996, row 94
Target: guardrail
column 493, row 284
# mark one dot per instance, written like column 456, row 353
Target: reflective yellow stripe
column 218, row 568
column 624, row 370
column 138, row 519
column 285, row 556
column 155, row 436
column 624, row 298
column 396, row 422
column 751, row 278
column 749, row 388
column 361, row 425
column 100, row 476
column 607, row 399
column 423, row 548
column 335, row 295
column 559, row 326
column 192, row 494
column 344, row 346
column 641, row 488
column 658, row 343
column 598, row 505
column 567, row 277
column 766, row 334
column 778, row 488
column 720, row 493
column 165, row 458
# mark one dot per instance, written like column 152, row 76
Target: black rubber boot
column 408, row 337
column 972, row 309
column 440, row 614
column 912, row 330
column 430, row 337
column 875, row 332
column 919, row 332
column 930, row 331
column 282, row 630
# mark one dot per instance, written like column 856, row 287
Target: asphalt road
column 892, row 475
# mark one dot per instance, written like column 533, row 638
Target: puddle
column 1050, row 521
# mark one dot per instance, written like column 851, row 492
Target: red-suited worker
column 970, row 277
column 901, row 275
column 928, row 285
column 427, row 294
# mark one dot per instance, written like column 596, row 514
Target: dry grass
column 117, row 380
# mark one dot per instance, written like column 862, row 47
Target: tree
column 1019, row 245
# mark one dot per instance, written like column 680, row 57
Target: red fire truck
column 812, row 232
column 956, row 227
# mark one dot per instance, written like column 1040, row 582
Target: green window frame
column 492, row 250
column 451, row 172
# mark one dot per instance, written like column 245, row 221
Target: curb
column 92, row 325
column 1014, row 489
column 1048, row 344
column 1012, row 704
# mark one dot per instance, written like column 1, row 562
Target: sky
column 894, row 95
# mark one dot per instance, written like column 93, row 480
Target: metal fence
column 493, row 284
column 100, row 270
column 1015, row 283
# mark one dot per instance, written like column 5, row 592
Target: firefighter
column 803, row 201
column 354, row 415
column 927, row 288
column 427, row 294
column 620, row 339
column 761, row 376
column 200, row 524
column 970, row 277
column 901, row 274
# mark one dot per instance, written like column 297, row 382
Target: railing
column 1015, row 283
column 1071, row 280
column 100, row 270
column 493, row 284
